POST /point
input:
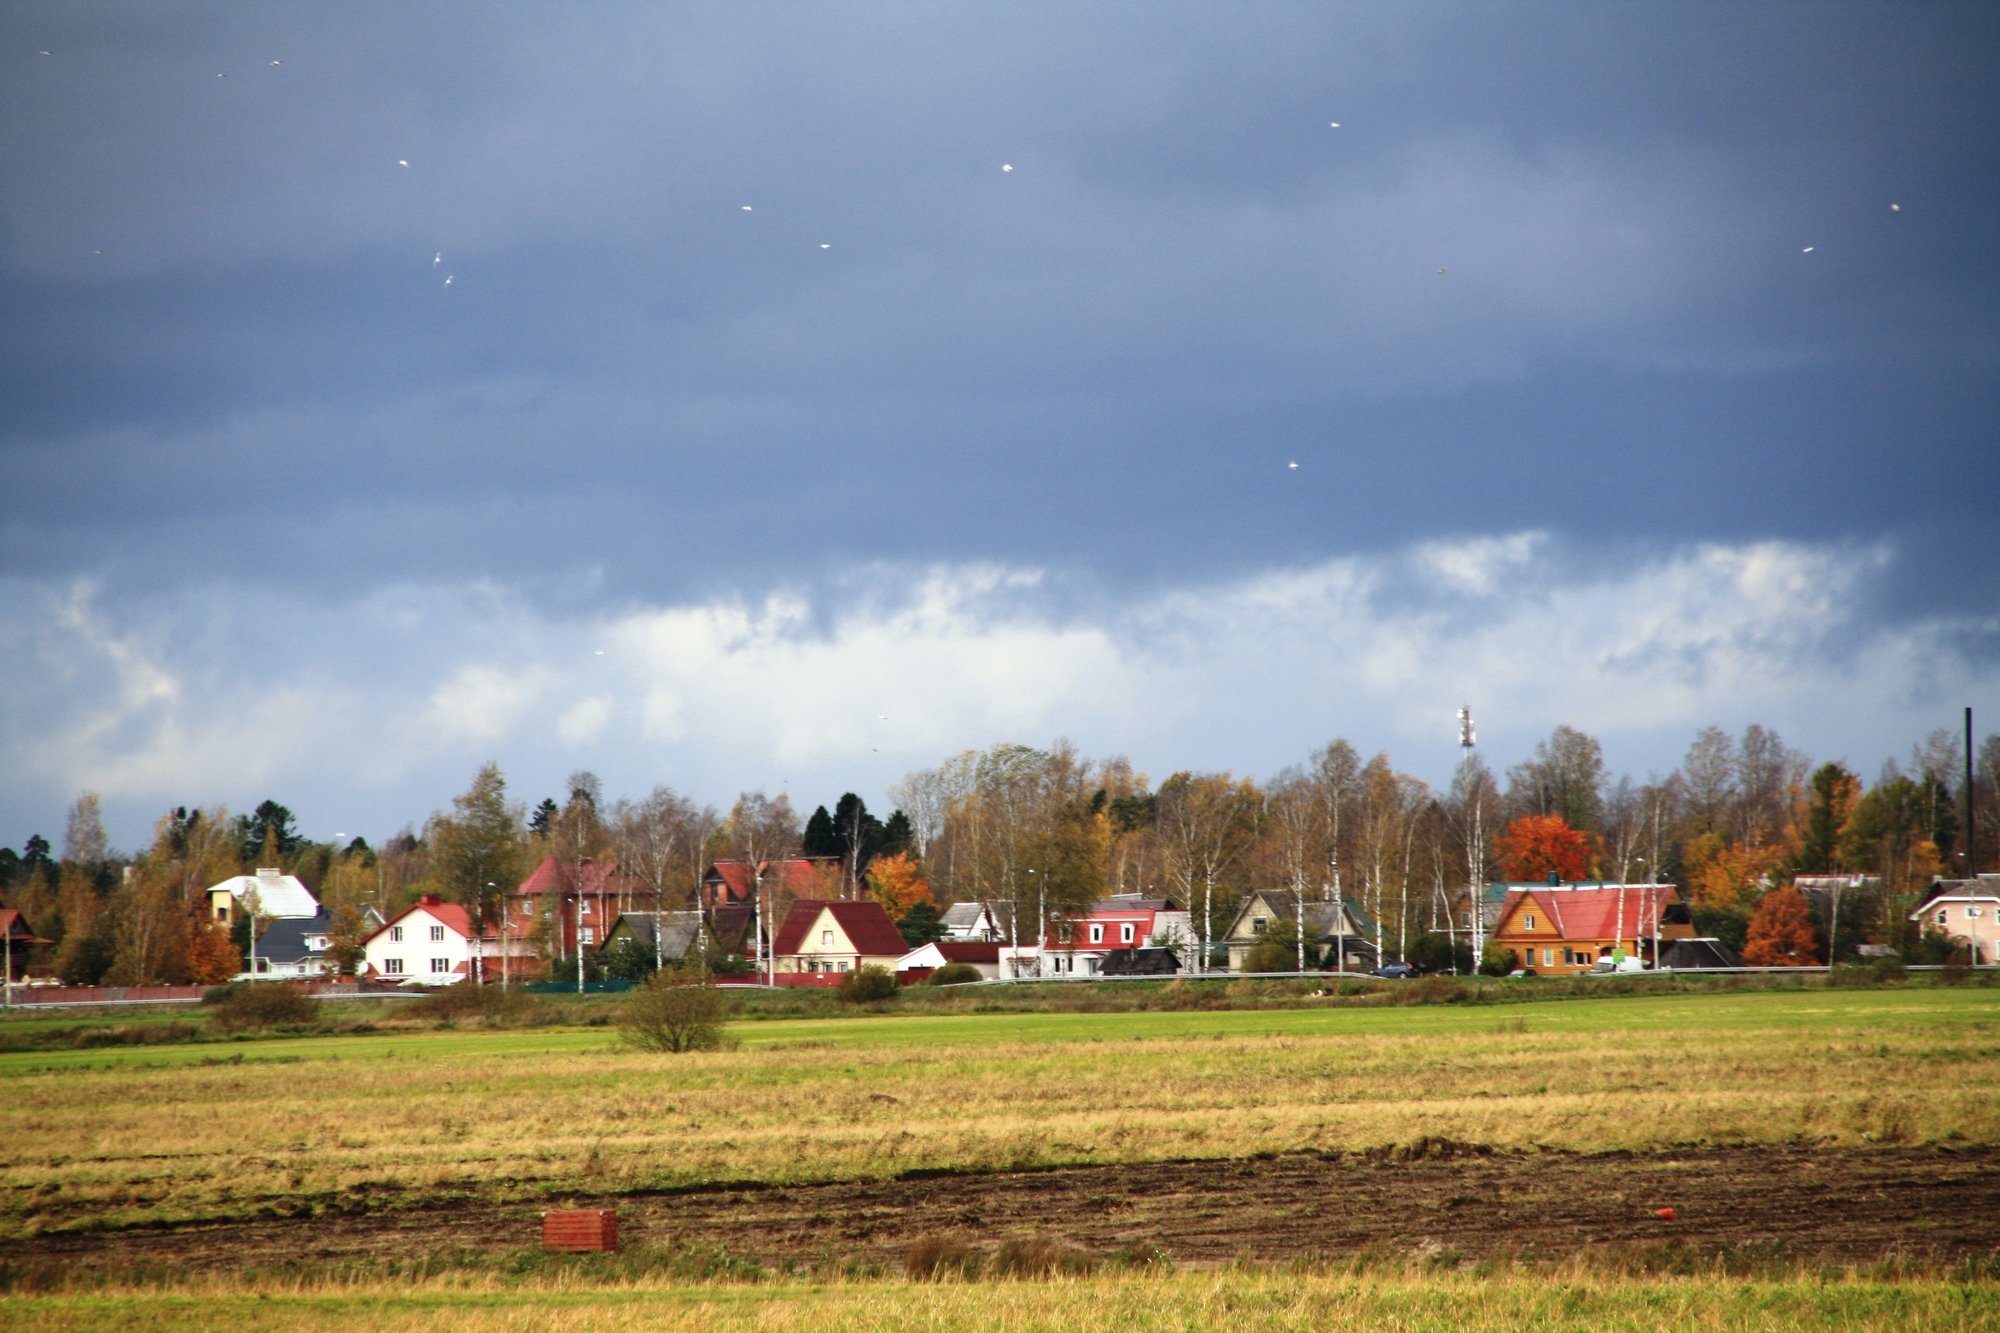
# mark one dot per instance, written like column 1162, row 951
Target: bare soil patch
column 1430, row 1199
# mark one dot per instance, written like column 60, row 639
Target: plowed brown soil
column 1430, row 1199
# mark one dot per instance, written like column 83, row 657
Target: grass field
column 114, row 1137
column 1247, row 1300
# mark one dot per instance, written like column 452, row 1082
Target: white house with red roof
column 1077, row 945
column 835, row 935
column 428, row 943
column 1561, row 929
column 1968, row 910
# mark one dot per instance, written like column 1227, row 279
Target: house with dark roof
column 976, row 920
column 295, row 946
column 821, row 935
column 1078, row 944
column 17, row 938
column 1563, row 929
column 1265, row 911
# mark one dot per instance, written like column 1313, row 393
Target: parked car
column 1400, row 971
column 1605, row 967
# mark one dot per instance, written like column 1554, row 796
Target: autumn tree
column 1781, row 932
column 1208, row 824
column 1534, row 847
column 477, row 851
column 760, row 829
column 1565, row 777
column 897, row 882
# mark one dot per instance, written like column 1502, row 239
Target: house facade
column 1076, row 946
column 1264, row 912
column 429, row 943
column 1563, row 929
column 822, row 935
column 1968, row 910
column 987, row 921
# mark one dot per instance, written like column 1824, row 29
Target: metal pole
column 1971, row 828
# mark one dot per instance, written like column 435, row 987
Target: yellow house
column 1561, row 929
column 836, row 935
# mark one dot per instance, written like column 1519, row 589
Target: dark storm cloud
column 1550, row 273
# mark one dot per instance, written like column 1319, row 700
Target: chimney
column 1555, row 879
column 429, row 900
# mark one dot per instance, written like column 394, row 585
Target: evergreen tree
column 542, row 823
column 820, row 839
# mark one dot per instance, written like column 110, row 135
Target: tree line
column 1047, row 831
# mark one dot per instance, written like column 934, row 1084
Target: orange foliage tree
column 1534, row 846
column 897, row 883
column 211, row 957
column 1726, row 874
column 1781, row 932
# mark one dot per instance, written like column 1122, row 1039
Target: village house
column 1264, row 912
column 295, row 946
column 674, row 937
column 268, row 895
column 821, row 935
column 988, row 921
column 1968, row 910
column 729, row 883
column 1077, row 945
column 429, row 943
column 573, row 902
column 1562, row 929
column 16, row 939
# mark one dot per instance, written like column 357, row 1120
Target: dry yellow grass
column 113, row 1138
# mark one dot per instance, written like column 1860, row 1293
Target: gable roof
column 865, row 923
column 804, row 876
column 450, row 915
column 1983, row 888
column 675, row 931
column 1319, row 916
column 590, row 877
column 277, row 894
column 14, row 925
column 285, row 940
column 1592, row 912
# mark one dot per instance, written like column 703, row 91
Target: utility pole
column 1475, row 848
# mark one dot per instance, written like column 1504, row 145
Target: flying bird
column 748, row 209
column 44, row 53
column 437, row 259
column 824, row 246
column 1808, row 250
column 402, row 161
column 276, row 63
column 1893, row 208
column 1333, row 124
column 1006, row 166
column 1293, row 466
column 447, row 279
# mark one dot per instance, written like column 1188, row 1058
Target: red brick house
column 581, row 899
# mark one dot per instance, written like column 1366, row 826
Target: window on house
column 437, row 932
column 440, row 965
column 1097, row 934
column 1548, row 958
column 392, row 967
column 395, row 934
column 1257, row 924
column 1530, row 919
column 826, row 939
column 587, row 935
column 1943, row 916
column 1125, row 933
column 843, row 967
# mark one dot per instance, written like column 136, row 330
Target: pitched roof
column 1592, row 912
column 1706, row 951
column 14, row 924
column 590, row 877
column 969, row 951
column 676, row 931
column 450, row 915
column 285, row 940
column 277, row 894
column 802, row 875
column 865, row 923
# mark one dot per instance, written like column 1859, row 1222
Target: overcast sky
column 793, row 395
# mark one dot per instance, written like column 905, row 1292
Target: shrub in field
column 939, row 1256
column 867, row 985
column 1495, row 960
column 1435, row 951
column 1039, row 1256
column 954, row 974
column 257, row 1006
column 1888, row 969
column 680, row 1009
column 489, row 1005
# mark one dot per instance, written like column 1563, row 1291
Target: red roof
column 593, row 879
column 450, row 915
column 14, row 924
column 803, row 875
column 1593, row 913
column 969, row 951
column 865, row 923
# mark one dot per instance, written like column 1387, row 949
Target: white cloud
column 890, row 668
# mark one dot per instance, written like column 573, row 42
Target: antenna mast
column 1475, row 847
